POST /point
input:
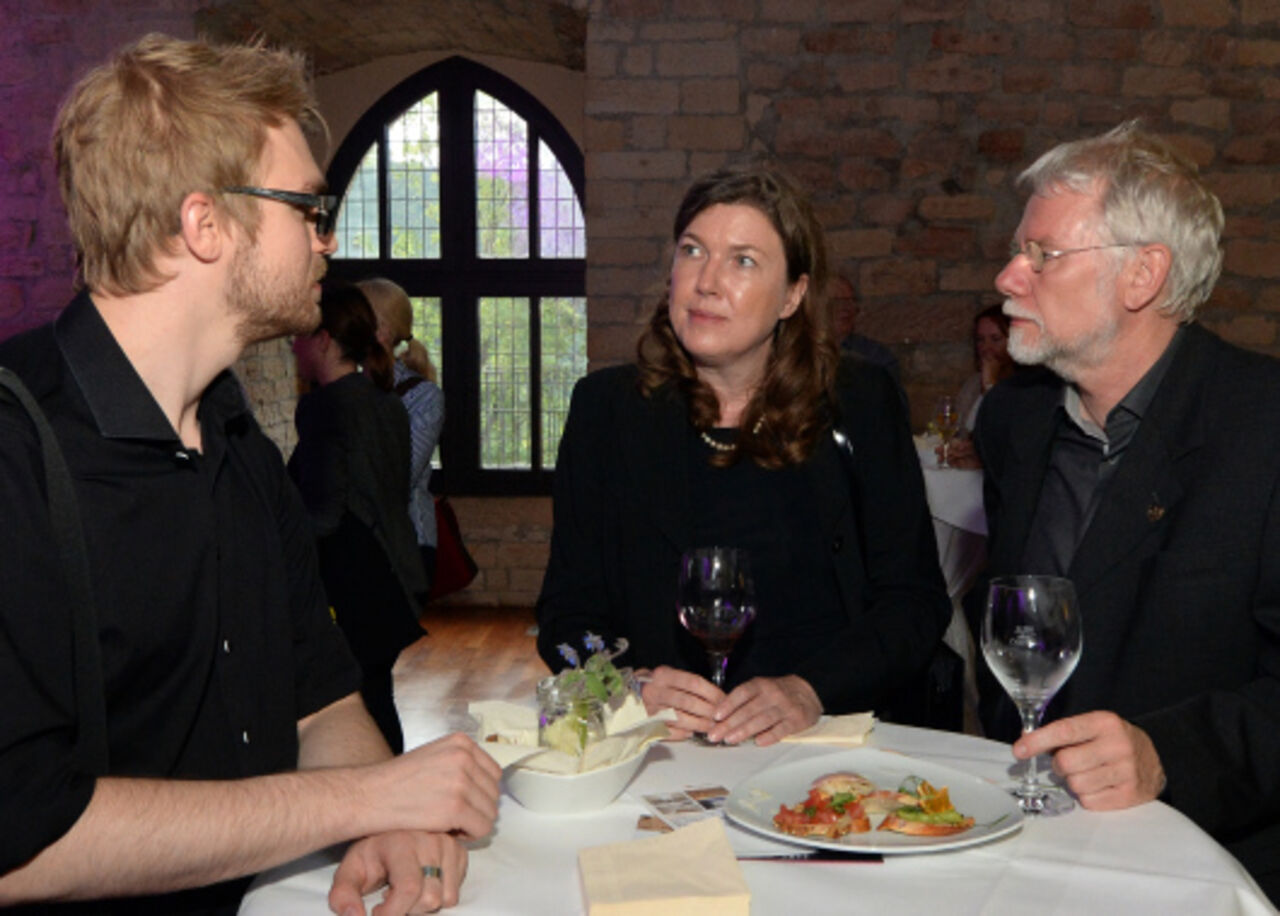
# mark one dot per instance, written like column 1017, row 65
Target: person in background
column 416, row 383
column 993, row 364
column 1141, row 461
column 844, row 312
column 351, row 465
column 234, row 736
column 991, row 359
column 726, row 432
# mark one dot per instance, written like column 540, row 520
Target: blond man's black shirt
column 214, row 632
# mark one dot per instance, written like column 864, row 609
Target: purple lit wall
column 44, row 46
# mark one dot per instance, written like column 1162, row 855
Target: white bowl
column 571, row 793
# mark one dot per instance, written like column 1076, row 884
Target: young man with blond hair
column 235, row 734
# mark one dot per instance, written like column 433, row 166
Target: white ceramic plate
column 755, row 801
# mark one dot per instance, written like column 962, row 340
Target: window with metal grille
column 465, row 190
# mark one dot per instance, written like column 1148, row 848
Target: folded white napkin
column 848, row 731
column 509, row 733
column 688, row 872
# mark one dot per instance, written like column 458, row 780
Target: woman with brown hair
column 991, row 362
column 739, row 425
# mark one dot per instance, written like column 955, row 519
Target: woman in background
column 993, row 363
column 991, row 359
column 739, row 426
column 416, row 384
column 352, row 466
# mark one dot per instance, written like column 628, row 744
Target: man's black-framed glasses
column 1037, row 254
column 322, row 209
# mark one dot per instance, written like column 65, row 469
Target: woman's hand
column 960, row 453
column 767, row 709
column 693, row 698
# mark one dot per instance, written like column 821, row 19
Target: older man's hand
column 1107, row 762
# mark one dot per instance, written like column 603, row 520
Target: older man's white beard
column 1023, row 351
column 1064, row 358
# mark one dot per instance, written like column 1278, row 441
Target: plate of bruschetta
column 868, row 800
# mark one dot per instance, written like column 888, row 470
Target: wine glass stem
column 1030, row 714
column 719, row 662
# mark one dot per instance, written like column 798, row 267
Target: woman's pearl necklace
column 727, row 446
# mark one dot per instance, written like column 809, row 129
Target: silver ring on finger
column 431, row 871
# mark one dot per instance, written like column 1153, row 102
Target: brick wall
column 908, row 122
column 509, row 540
column 44, row 46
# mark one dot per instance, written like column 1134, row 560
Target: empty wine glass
column 717, row 601
column 1031, row 639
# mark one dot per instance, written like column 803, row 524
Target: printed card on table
column 672, row 810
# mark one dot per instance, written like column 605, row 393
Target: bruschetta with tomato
column 928, row 813
column 823, row 815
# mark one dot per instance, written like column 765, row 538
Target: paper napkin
column 509, row 733
column 689, row 872
column 847, row 731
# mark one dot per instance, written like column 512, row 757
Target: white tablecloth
column 960, row 527
column 959, row 520
column 1148, row 859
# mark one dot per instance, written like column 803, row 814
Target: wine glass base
column 1042, row 801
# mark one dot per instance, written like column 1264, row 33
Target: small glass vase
column 569, row 716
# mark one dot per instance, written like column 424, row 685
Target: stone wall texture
column 907, row 119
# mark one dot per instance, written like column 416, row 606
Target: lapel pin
column 1155, row 511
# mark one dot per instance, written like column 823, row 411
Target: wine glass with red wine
column 717, row 601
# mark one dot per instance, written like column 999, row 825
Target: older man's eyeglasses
column 321, row 209
column 1037, row 254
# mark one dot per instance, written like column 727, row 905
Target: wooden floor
column 468, row 654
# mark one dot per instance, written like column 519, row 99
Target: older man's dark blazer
column 1178, row 577
column 623, row 517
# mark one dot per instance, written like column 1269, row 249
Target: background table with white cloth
column 959, row 520
column 1148, row 859
column 960, row 526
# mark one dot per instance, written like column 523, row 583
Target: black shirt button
column 226, row 647
column 244, row 737
column 836, row 543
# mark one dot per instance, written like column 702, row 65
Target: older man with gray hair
column 1143, row 463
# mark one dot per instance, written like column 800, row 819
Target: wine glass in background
column 717, row 601
column 1031, row 639
column 947, row 419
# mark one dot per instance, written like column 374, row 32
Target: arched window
column 461, row 187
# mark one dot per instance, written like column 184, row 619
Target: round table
column 1149, row 859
